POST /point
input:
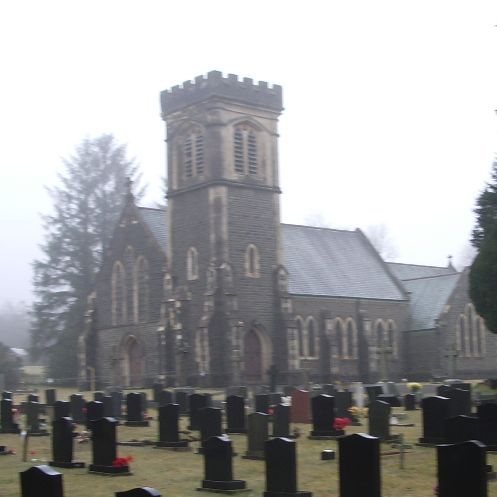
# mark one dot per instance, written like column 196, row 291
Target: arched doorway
column 252, row 357
column 133, row 363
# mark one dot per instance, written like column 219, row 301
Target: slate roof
column 428, row 298
column 156, row 220
column 412, row 271
column 338, row 263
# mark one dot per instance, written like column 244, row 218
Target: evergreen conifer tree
column 86, row 206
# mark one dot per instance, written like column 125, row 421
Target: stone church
column 214, row 289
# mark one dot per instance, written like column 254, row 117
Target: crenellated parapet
column 215, row 85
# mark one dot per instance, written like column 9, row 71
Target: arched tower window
column 461, row 334
column 300, row 336
column 311, row 337
column 339, row 337
column 193, row 153
column 129, row 268
column 350, row 349
column 118, row 295
column 391, row 337
column 192, row 264
column 245, row 150
column 142, row 290
column 252, row 262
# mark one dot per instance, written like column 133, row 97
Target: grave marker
column 41, row 481
column 62, row 444
column 235, row 414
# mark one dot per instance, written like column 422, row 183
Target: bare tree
column 380, row 238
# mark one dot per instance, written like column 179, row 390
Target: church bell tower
column 223, row 222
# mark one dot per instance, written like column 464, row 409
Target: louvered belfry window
column 193, row 153
column 245, row 150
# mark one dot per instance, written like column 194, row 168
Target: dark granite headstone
column 41, row 481
column 62, row 444
column 240, row 391
column 235, row 414
column 487, row 416
column 281, row 469
column 139, row 492
column 461, row 429
column 32, row 397
column 94, row 411
column 218, row 466
column 169, row 428
column 6, row 395
column 281, row 421
column 181, row 398
column 196, row 402
column 460, row 401
column 257, row 435
column 379, row 420
column 98, row 396
column 104, row 447
column 262, row 403
column 323, row 417
column 343, row 402
column 393, row 400
column 373, row 391
column 435, row 411
column 210, row 421
column 61, row 409
column 359, row 466
column 108, row 407
column 165, row 398
column 50, row 396
column 134, row 410
column 288, row 390
column 330, row 389
column 78, row 405
column 442, row 390
column 33, row 420
column 117, row 404
column 7, row 424
column 410, row 402
column 462, row 470
column 156, row 390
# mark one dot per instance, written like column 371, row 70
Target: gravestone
column 359, row 466
column 6, row 395
column 218, row 466
column 373, row 391
column 462, row 470
column 7, row 424
column 460, row 401
column 94, row 411
column 410, row 402
column 239, row 391
column 98, row 396
column 262, row 403
column 281, row 469
column 32, row 397
column 169, row 428
column 62, row 444
column 379, row 420
column 50, row 396
column 196, row 402
column 165, row 398
column 35, row 428
column 181, row 398
column 301, row 407
column 156, row 389
column 343, row 402
column 487, row 415
column 139, row 492
column 435, row 411
column 108, row 407
column 391, row 389
column 78, row 405
column 288, row 390
column 281, row 421
column 210, row 421
column 104, row 448
column 323, row 417
column 61, row 409
column 393, row 400
column 459, row 429
column 330, row 389
column 134, row 410
column 117, row 404
column 235, row 414
column 257, row 435
column 41, row 481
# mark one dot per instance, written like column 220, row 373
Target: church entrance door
column 253, row 357
column 133, row 366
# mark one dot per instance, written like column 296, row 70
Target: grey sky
column 389, row 105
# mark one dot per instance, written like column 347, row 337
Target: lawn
column 178, row 474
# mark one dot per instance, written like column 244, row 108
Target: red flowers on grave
column 341, row 423
column 122, row 462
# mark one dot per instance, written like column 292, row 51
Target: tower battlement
column 215, row 85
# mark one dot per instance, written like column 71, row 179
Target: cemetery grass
column 178, row 474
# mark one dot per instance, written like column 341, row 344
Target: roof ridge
column 456, row 273
column 343, row 230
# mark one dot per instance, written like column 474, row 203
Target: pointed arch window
column 245, row 150
column 300, row 336
column 142, row 290
column 339, row 338
column 470, row 333
column 311, row 337
column 192, row 264
column 129, row 268
column 350, row 348
column 118, row 292
column 252, row 262
column 193, row 153
column 391, row 337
